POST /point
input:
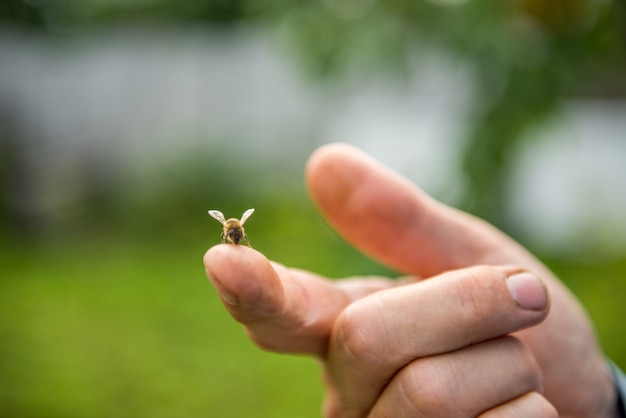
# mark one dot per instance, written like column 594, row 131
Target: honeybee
column 233, row 228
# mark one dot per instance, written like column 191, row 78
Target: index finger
column 284, row 310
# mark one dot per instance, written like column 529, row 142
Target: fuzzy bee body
column 233, row 228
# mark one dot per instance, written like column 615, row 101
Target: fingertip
column 220, row 259
column 327, row 162
column 229, row 256
column 329, row 152
column 367, row 203
column 243, row 277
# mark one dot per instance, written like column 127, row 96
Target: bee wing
column 246, row 215
column 216, row 214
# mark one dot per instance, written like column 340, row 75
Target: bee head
column 235, row 235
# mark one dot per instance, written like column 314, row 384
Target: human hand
column 451, row 327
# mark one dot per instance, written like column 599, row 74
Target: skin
column 479, row 328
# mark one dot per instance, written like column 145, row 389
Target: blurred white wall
column 570, row 181
column 125, row 100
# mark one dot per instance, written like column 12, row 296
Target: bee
column 233, row 228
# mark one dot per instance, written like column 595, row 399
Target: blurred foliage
column 71, row 16
column 527, row 56
column 125, row 328
column 18, row 12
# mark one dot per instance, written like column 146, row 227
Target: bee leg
column 247, row 240
column 223, row 236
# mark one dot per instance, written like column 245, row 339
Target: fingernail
column 228, row 297
column 528, row 291
column 225, row 295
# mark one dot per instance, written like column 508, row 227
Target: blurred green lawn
column 134, row 331
column 111, row 322
column 130, row 327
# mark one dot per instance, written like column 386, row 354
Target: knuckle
column 356, row 336
column 427, row 387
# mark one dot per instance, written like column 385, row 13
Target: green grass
column 132, row 332
column 127, row 327
column 601, row 287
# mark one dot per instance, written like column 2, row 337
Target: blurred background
column 123, row 122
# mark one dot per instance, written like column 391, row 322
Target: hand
column 434, row 343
